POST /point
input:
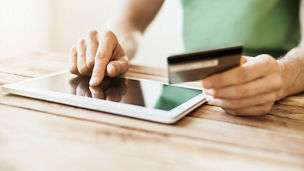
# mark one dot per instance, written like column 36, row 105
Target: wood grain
column 74, row 144
column 62, row 136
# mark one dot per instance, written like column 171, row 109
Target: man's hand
column 250, row 89
column 99, row 55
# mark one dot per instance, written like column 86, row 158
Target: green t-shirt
column 261, row 26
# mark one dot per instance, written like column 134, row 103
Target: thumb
column 116, row 67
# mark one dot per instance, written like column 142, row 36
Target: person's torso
column 261, row 26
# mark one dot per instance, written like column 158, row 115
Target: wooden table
column 39, row 135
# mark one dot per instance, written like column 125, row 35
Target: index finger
column 107, row 44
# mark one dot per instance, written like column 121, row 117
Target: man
column 267, row 29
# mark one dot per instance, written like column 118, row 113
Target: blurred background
column 56, row 25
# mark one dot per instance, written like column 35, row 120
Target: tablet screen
column 148, row 94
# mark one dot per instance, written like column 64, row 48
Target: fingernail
column 93, row 80
column 209, row 91
column 209, row 99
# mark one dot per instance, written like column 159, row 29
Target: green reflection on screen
column 172, row 97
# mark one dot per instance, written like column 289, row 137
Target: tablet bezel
column 124, row 109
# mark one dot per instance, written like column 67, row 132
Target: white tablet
column 137, row 98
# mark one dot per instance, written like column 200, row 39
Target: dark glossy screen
column 143, row 93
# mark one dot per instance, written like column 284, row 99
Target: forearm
column 131, row 21
column 293, row 72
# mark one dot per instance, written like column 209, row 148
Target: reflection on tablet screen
column 142, row 93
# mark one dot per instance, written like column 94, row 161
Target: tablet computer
column 137, row 98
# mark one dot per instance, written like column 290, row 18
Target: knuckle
column 270, row 62
column 92, row 33
column 90, row 64
column 73, row 69
column 100, row 65
column 265, row 110
column 100, row 55
column 266, row 57
column 272, row 97
column 81, row 42
column 277, row 82
column 83, row 70
column 274, row 66
column 108, row 33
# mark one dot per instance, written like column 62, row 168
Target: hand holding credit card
column 199, row 65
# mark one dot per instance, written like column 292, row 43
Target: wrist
column 292, row 71
column 129, row 43
column 282, row 70
column 128, row 38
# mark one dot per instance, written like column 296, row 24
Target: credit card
column 198, row 65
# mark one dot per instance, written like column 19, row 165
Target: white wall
column 24, row 26
column 163, row 37
column 55, row 25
